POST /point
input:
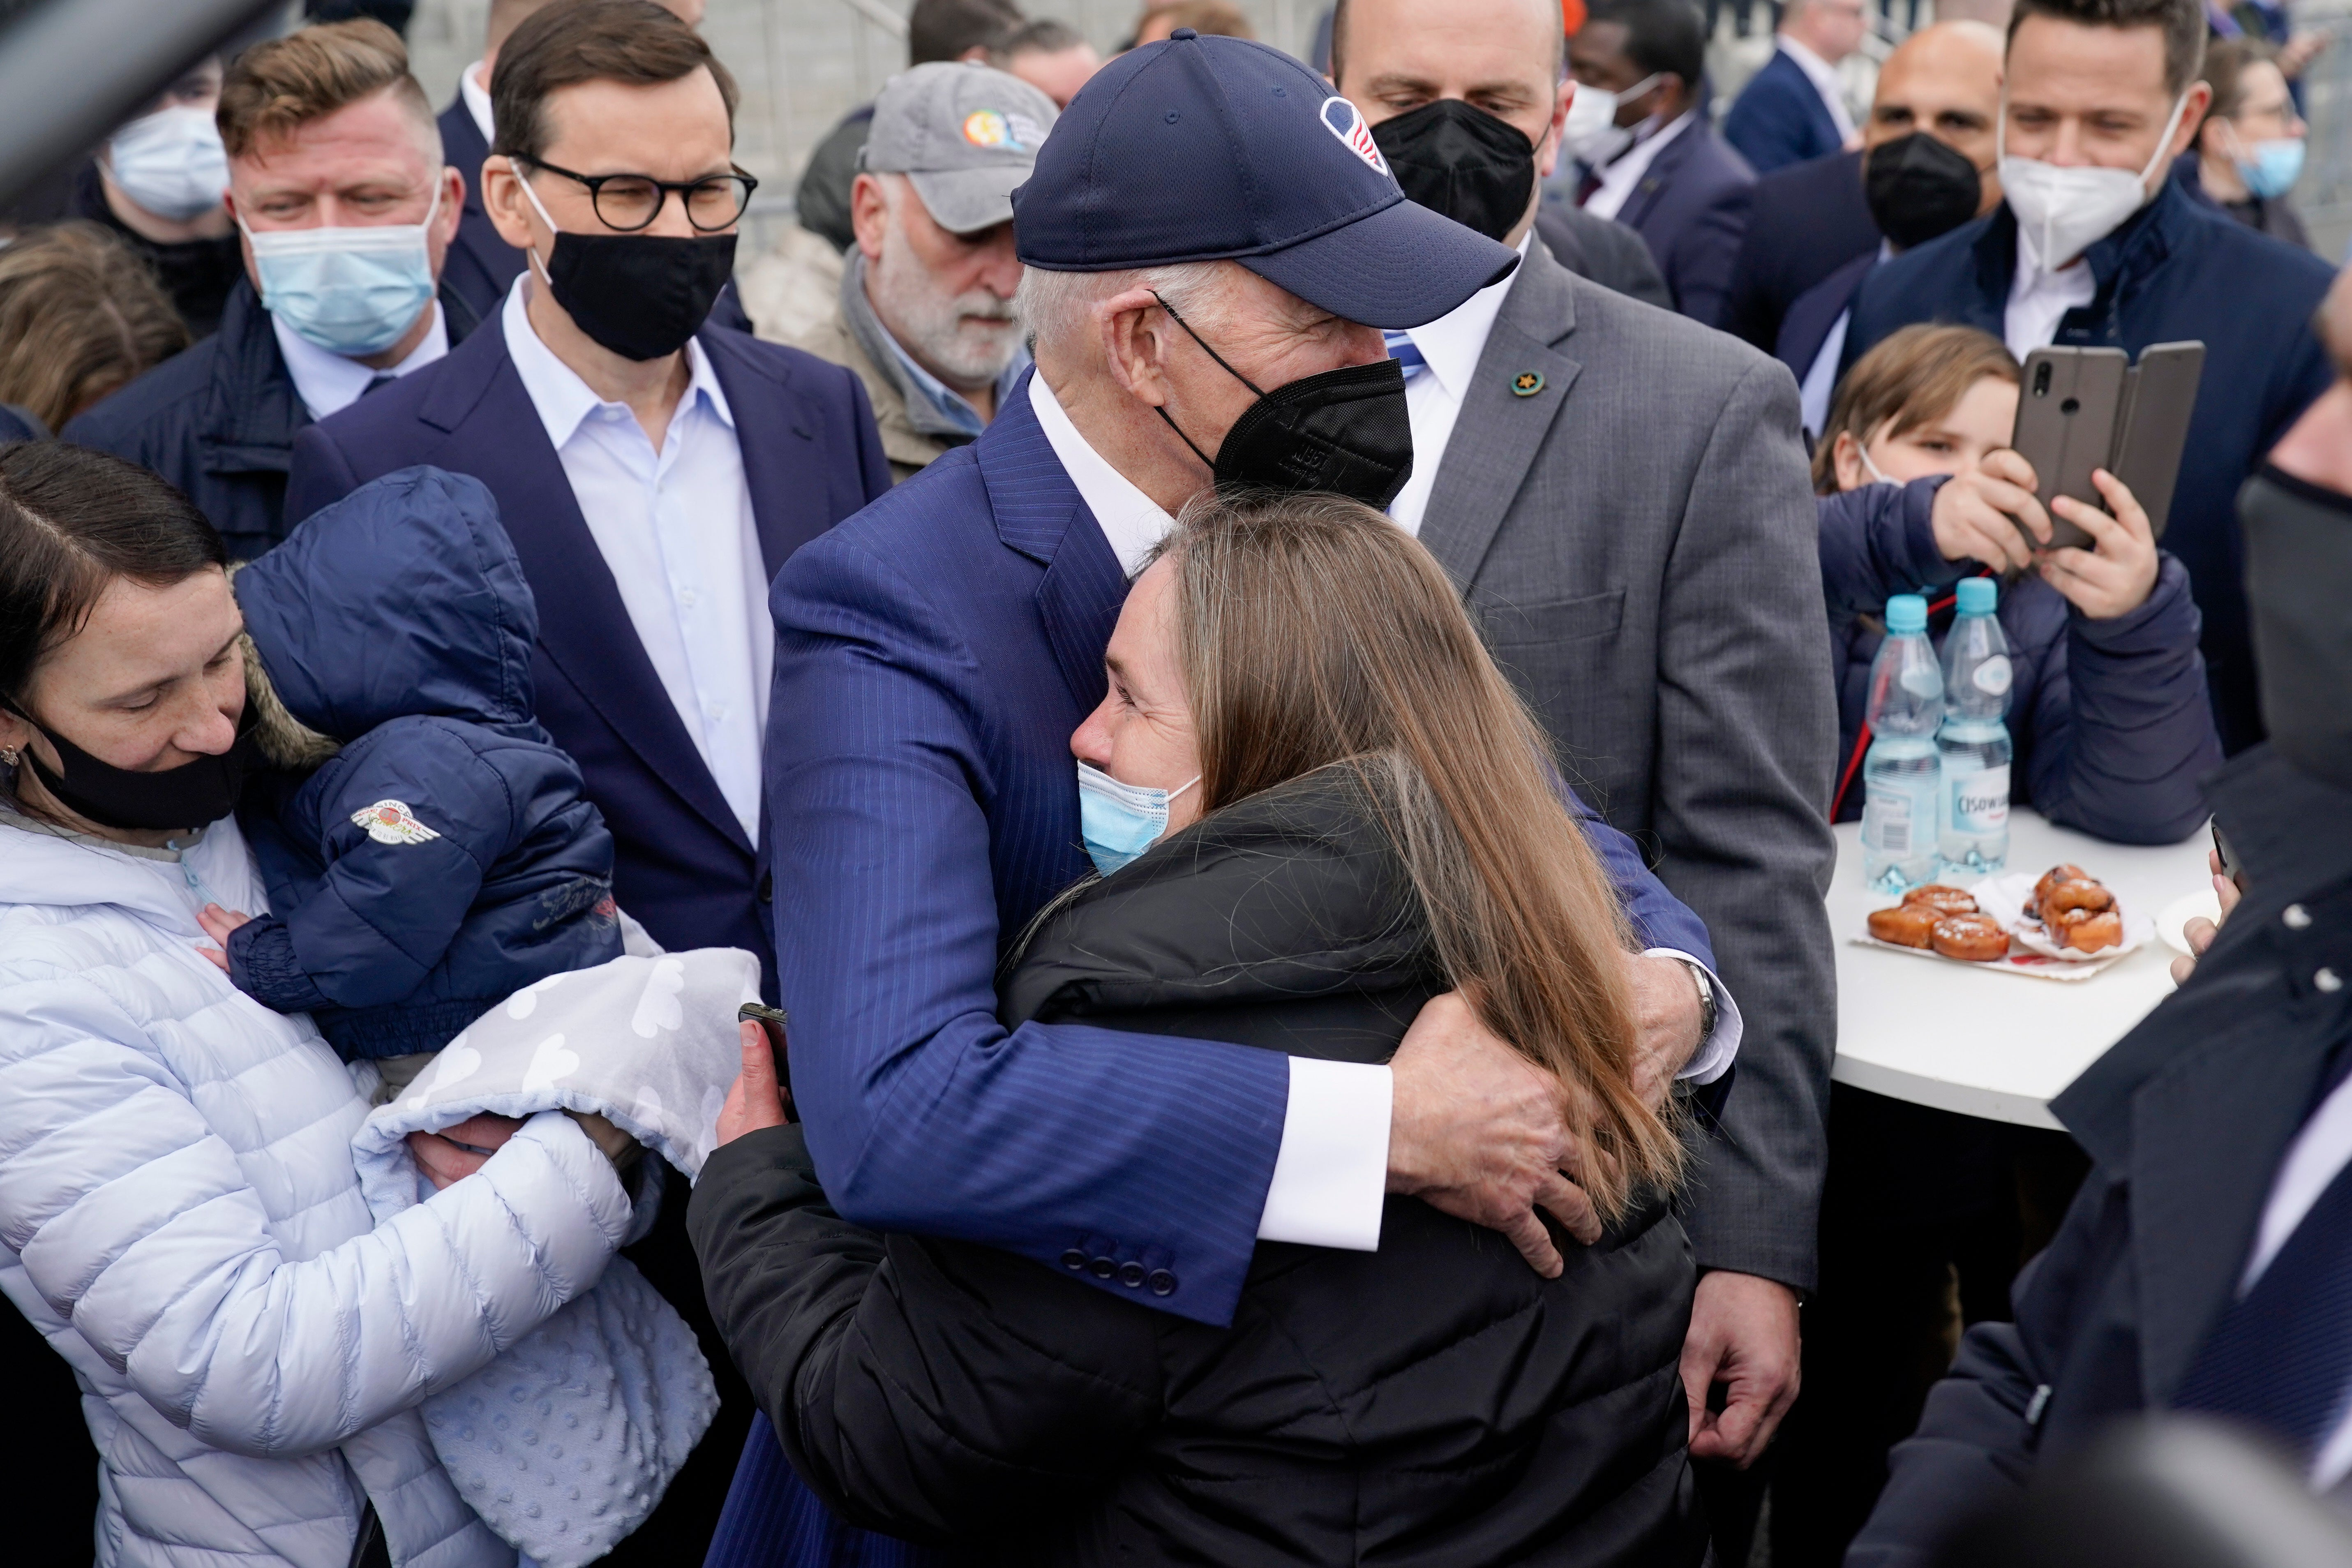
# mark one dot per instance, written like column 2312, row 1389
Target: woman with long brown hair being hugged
column 1317, row 805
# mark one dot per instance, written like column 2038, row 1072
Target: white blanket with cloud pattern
column 565, row 1442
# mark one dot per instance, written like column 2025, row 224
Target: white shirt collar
column 1618, row 178
column 1819, row 72
column 328, row 382
column 1453, row 344
column 476, row 93
column 1132, row 521
column 562, row 399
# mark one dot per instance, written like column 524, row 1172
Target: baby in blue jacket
column 444, row 855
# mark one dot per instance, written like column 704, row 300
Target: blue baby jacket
column 446, row 856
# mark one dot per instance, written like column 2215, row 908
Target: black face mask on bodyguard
column 2299, row 577
column 193, row 795
column 1918, row 188
column 1345, row 431
column 1462, row 162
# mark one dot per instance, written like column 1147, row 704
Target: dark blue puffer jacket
column 447, row 856
column 2109, row 719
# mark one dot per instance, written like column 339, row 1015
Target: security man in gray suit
column 1622, row 493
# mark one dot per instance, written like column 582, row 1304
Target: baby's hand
column 217, row 923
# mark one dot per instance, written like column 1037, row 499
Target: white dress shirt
column 1618, row 178
column 2039, row 300
column 1824, row 77
column 328, row 382
column 473, row 86
column 675, row 529
column 1820, row 385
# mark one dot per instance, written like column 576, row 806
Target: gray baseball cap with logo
column 965, row 134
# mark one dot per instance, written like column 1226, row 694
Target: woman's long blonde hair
column 1314, row 633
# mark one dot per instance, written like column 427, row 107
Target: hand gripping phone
column 771, row 1022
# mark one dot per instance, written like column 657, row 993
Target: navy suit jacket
column 933, row 655
column 1806, row 326
column 1779, row 118
column 1809, row 220
column 1691, row 208
column 480, row 265
column 683, row 863
column 2177, row 270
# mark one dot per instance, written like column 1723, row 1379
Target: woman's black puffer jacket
column 1435, row 1403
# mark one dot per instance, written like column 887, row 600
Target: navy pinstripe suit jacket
column 933, row 655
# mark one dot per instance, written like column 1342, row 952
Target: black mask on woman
column 1918, row 187
column 1346, row 432
column 2298, row 574
column 193, row 795
column 1462, row 162
column 640, row 295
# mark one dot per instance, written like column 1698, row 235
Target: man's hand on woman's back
column 1477, row 1130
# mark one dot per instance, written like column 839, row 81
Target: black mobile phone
column 771, row 1022
column 2229, row 861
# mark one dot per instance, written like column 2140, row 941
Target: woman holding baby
column 180, row 1215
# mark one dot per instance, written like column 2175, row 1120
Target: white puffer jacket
column 180, row 1217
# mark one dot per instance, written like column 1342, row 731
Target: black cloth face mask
column 193, row 795
column 1344, row 431
column 1459, row 160
column 2299, row 577
column 640, row 295
column 1918, row 187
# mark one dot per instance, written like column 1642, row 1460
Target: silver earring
column 9, row 756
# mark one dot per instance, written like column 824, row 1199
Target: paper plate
column 2175, row 916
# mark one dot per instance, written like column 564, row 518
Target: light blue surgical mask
column 2273, row 167
column 352, row 291
column 1120, row 821
column 170, row 162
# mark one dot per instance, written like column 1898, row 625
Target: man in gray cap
column 925, row 315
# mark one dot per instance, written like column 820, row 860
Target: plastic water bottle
column 1901, row 777
column 1973, row 835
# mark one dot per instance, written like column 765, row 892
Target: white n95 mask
column 2062, row 212
column 170, row 162
column 1592, row 135
column 353, row 290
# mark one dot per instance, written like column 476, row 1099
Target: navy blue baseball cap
column 1224, row 150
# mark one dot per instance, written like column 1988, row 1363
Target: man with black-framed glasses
column 654, row 471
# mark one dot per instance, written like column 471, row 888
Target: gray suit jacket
column 1637, row 538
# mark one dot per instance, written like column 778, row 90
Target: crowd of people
column 1241, row 668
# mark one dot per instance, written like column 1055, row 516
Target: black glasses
column 632, row 201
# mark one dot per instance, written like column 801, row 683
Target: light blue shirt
column 676, row 527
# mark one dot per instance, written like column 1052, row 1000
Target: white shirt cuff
column 1331, row 1174
column 1712, row 1058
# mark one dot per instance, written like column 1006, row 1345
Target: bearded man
column 926, row 314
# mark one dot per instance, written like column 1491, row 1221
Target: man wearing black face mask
column 1941, row 84
column 1622, row 493
column 653, row 471
column 1926, row 168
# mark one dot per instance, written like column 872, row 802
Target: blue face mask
column 1120, row 821
column 352, row 291
column 2273, row 168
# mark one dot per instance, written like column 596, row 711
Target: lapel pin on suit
column 1526, row 384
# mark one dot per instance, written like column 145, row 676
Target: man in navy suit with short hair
column 1793, row 109
column 654, row 471
column 1658, row 168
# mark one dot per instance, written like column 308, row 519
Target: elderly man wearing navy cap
column 1214, row 243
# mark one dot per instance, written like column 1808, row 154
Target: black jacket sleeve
column 933, row 1390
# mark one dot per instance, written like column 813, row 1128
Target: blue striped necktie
column 1406, row 353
